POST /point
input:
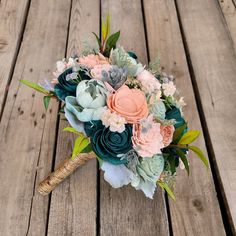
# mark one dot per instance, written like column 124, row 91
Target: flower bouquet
column 127, row 115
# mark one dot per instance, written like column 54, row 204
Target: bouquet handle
column 65, row 168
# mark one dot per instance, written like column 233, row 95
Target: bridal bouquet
column 127, row 114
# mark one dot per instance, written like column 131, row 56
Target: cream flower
column 114, row 121
column 149, row 82
column 169, row 88
column 62, row 65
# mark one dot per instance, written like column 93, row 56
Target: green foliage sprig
column 48, row 94
column 107, row 42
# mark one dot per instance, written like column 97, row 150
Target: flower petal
column 116, row 175
column 74, row 122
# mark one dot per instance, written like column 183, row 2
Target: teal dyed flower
column 159, row 110
column 68, row 81
column 65, row 88
column 89, row 103
column 92, row 126
column 108, row 145
column 174, row 113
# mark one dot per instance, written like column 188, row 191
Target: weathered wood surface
column 213, row 60
column 229, row 13
column 195, row 210
column 196, row 43
column 73, row 208
column 27, row 133
column 12, row 18
column 126, row 211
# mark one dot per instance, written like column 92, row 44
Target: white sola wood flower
column 169, row 88
column 115, row 122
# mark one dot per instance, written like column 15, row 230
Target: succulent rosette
column 130, row 115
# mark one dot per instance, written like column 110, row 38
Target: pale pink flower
column 96, row 72
column 169, row 88
column 115, row 122
column 147, row 139
column 92, row 60
column 149, row 82
column 167, row 132
column 61, row 66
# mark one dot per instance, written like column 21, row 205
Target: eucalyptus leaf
column 184, row 159
column 167, row 189
column 87, row 149
column 46, row 101
column 189, row 137
column 35, row 86
column 111, row 42
column 200, row 154
column 178, row 133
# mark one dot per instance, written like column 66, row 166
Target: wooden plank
column 228, row 8
column 27, row 133
column 127, row 211
column 74, row 202
column 12, row 15
column 196, row 210
column 213, row 60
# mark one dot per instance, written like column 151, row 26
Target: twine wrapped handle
column 65, row 168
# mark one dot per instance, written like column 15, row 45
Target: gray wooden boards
column 196, row 210
column 213, row 61
column 27, row 132
column 73, row 208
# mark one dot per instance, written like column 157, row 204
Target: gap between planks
column 14, row 57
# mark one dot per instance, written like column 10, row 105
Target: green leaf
column 98, row 40
column 111, row 42
column 87, row 149
column 80, row 144
column 46, row 101
column 105, row 28
column 178, row 133
column 184, row 159
column 34, row 86
column 189, row 137
column 71, row 129
column 166, row 188
column 200, row 154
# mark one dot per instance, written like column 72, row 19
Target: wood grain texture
column 27, row 132
column 74, row 202
column 12, row 15
column 196, row 210
column 213, row 60
column 228, row 8
column 126, row 211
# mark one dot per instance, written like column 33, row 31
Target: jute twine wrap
column 64, row 169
